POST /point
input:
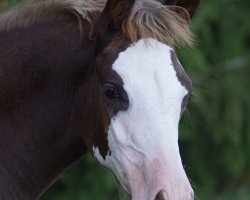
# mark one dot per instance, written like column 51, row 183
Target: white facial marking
column 144, row 139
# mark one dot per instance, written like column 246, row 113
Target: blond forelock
column 151, row 19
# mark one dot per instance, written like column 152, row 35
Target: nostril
column 162, row 195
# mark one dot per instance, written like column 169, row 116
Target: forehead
column 144, row 58
column 151, row 61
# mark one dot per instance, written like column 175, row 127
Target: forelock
column 151, row 19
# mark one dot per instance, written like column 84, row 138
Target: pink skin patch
column 146, row 182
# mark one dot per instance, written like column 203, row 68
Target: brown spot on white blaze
column 183, row 78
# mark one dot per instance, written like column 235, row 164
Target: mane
column 148, row 18
column 44, row 10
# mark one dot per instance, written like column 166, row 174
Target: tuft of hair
column 44, row 10
column 167, row 24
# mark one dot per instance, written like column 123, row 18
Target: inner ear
column 189, row 5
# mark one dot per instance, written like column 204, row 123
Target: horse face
column 144, row 92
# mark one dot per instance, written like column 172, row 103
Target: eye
column 111, row 91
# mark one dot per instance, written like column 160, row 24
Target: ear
column 189, row 5
column 110, row 20
column 115, row 12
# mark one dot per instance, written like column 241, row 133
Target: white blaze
column 144, row 139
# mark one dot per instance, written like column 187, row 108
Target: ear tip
column 189, row 5
column 114, row 12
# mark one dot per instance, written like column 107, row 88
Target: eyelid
column 111, row 83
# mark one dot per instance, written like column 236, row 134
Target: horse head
column 142, row 93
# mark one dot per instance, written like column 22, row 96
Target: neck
column 41, row 75
column 29, row 168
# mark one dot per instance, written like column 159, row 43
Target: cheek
column 98, row 134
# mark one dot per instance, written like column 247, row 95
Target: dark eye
column 111, row 91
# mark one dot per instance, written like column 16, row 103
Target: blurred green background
column 215, row 131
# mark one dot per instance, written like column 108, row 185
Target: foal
column 79, row 76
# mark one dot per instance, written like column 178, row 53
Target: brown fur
column 148, row 19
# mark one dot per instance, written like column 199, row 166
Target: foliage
column 216, row 138
column 215, row 132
